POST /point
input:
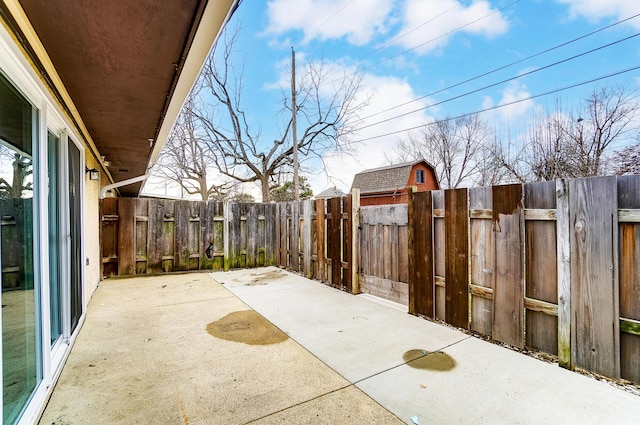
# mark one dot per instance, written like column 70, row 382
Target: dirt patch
column 437, row 361
column 247, row 327
column 264, row 278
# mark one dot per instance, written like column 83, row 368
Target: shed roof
column 332, row 192
column 385, row 179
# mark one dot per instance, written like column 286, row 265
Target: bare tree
column 457, row 149
column 574, row 145
column 608, row 117
column 626, row 160
column 327, row 114
column 187, row 160
column 22, row 169
column 549, row 152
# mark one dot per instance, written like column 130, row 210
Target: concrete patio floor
column 189, row 349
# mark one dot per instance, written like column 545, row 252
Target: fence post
column 564, row 273
column 355, row 240
column 225, row 235
column 306, row 238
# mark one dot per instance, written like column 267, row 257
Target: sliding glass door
column 56, row 223
column 21, row 342
column 75, row 231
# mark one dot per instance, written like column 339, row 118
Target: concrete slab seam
column 410, row 361
column 284, row 409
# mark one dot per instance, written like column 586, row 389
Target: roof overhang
column 120, row 69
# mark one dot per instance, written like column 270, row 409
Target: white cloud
column 431, row 23
column 515, row 92
column 357, row 20
column 596, row 10
column 384, row 92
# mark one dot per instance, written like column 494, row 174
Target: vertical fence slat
column 181, row 242
column 320, row 240
column 482, row 260
column 142, row 211
column 270, row 223
column 355, row 238
column 252, row 214
column 336, row 237
column 126, row 237
column 563, row 251
column 541, row 268
column 421, row 279
column 508, row 286
column 439, row 253
column 629, row 198
column 347, row 243
column 154, row 241
column 594, row 275
column 109, row 235
column 456, row 221
column 306, row 238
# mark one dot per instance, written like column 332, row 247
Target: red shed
column 390, row 184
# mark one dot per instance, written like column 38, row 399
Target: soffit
column 119, row 60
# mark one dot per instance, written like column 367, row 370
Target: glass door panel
column 21, row 363
column 55, row 257
column 75, row 265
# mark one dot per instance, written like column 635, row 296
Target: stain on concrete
column 264, row 278
column 436, row 361
column 247, row 327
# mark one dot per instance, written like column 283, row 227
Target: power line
column 393, row 40
column 422, row 44
column 500, row 82
column 504, row 66
column 442, row 35
column 331, row 16
column 492, row 108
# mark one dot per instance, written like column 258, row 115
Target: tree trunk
column 264, row 181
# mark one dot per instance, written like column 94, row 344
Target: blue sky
column 414, row 48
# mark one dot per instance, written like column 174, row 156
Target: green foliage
column 285, row 192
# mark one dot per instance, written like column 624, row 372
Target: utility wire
column 492, row 108
column 393, row 40
column 442, row 35
column 501, row 82
column 331, row 16
column 504, row 66
column 422, row 44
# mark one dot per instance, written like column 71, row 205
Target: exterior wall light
column 94, row 174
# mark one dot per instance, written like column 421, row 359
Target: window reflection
column 20, row 343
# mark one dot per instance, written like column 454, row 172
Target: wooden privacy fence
column 316, row 238
column 554, row 266
column 148, row 236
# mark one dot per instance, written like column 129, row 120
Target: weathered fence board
column 508, row 284
column 318, row 236
column 439, row 253
column 347, row 244
column 594, row 275
column 541, row 273
column 421, row 277
column 126, row 244
column 629, row 198
column 457, row 252
column 390, row 281
column 482, row 261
